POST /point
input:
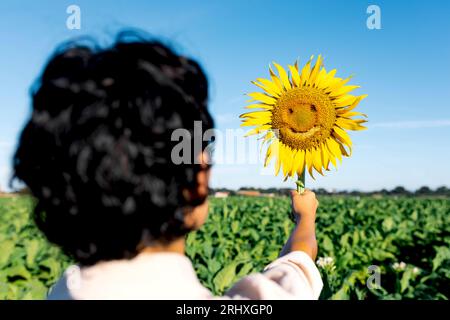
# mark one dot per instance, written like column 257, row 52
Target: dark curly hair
column 96, row 152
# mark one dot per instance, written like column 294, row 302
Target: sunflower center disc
column 301, row 117
column 304, row 117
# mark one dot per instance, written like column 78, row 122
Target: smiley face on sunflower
column 303, row 117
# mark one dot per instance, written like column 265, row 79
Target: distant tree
column 399, row 191
column 248, row 188
column 424, row 191
column 214, row 190
column 443, row 191
column 272, row 190
column 321, row 191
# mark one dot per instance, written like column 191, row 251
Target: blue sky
column 404, row 68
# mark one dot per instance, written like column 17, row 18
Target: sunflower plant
column 303, row 117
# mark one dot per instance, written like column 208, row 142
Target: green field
column 407, row 239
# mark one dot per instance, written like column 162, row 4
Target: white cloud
column 412, row 124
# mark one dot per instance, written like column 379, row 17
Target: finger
column 295, row 194
column 311, row 192
column 306, row 192
column 308, row 195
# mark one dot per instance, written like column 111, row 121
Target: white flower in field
column 399, row 266
column 325, row 261
column 416, row 270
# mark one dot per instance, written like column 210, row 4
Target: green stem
column 301, row 182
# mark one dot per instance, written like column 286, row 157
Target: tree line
column 442, row 191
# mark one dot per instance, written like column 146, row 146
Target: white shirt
column 172, row 276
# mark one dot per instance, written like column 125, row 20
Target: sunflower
column 303, row 118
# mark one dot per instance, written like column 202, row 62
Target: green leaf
column 327, row 244
column 245, row 270
column 344, row 240
column 442, row 254
column 6, row 250
column 341, row 294
column 34, row 290
column 214, row 266
column 404, row 282
column 264, row 222
column 224, row 278
column 388, row 224
column 32, row 249
column 51, row 269
column 235, row 226
column 355, row 239
column 18, row 272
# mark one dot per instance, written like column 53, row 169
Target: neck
column 176, row 246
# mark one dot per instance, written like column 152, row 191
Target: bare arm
column 303, row 237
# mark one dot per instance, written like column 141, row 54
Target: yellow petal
column 256, row 114
column 331, row 156
column 268, row 136
column 328, row 79
column 317, row 160
column 344, row 101
column 355, row 103
column 306, row 71
column 351, row 114
column 295, row 76
column 276, row 80
column 258, row 96
column 287, row 163
column 333, row 147
column 283, row 76
column 248, row 122
column 336, row 84
column 309, row 162
column 325, row 156
column 342, row 136
column 321, row 78
column 315, row 71
column 279, row 158
column 272, row 150
column 350, row 124
column 332, row 73
column 344, row 151
column 293, row 167
column 259, row 106
column 268, row 86
column 300, row 161
column 343, row 90
column 258, row 130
